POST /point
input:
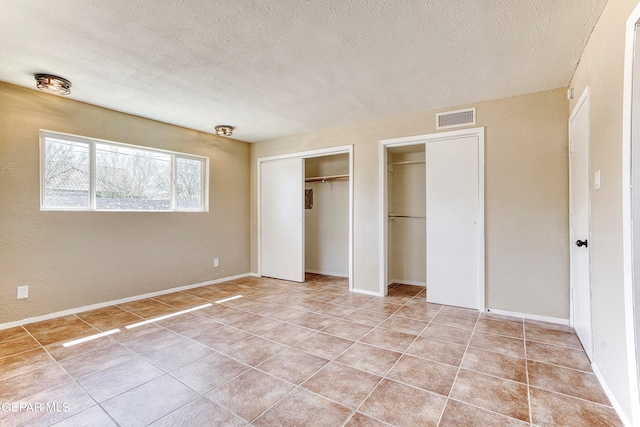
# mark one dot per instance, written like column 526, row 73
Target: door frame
column 384, row 202
column 343, row 149
column 583, row 100
column 629, row 245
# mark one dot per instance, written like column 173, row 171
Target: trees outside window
column 80, row 173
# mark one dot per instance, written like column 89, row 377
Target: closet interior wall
column 327, row 222
column 407, row 207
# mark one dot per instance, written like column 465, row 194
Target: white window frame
column 92, row 187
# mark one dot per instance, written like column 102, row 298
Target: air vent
column 452, row 119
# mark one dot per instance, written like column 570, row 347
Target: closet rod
column 326, row 178
column 406, row 216
column 409, row 162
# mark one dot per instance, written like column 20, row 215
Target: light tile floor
column 289, row 354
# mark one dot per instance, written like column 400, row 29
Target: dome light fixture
column 53, row 84
column 224, row 130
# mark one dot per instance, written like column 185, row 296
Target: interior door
column 635, row 192
column 453, row 234
column 282, row 219
column 579, row 195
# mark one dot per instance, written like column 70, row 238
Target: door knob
column 581, row 243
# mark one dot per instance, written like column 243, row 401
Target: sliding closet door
column 453, row 234
column 282, row 219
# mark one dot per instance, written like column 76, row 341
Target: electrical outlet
column 23, row 292
column 216, row 262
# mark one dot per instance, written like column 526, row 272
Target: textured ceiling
column 276, row 68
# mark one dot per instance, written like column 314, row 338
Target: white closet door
column 282, row 219
column 453, row 235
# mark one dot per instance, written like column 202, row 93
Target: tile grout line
column 296, row 387
column 573, row 397
column 231, row 379
column 142, row 356
column 72, row 380
column 515, row 338
column 168, row 373
column 98, row 404
column 20, row 352
column 308, row 310
column 138, row 355
column 30, row 370
column 459, row 369
column 383, row 377
column 485, row 409
column 324, row 367
column 529, row 386
column 526, row 365
column 250, row 368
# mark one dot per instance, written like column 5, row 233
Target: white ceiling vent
column 452, row 119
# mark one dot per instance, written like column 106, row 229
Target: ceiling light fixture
column 224, row 130
column 53, row 84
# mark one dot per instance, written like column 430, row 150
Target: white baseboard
column 614, row 402
column 254, row 275
column 557, row 320
column 118, row 301
column 410, row 282
column 364, row 291
column 328, row 273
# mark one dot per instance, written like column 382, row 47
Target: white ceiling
column 276, row 68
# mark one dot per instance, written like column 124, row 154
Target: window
column 85, row 174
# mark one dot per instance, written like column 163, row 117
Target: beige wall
column 72, row 259
column 602, row 69
column 526, row 187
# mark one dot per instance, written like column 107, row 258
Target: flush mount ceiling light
column 53, row 84
column 224, row 130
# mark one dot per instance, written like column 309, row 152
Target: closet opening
column 432, row 216
column 327, row 215
column 406, row 222
column 305, row 215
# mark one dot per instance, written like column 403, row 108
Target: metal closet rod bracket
column 326, row 178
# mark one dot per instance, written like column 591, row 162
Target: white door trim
column 627, row 247
column 384, row 208
column 343, row 149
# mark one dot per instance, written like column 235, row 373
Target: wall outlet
column 23, row 292
column 216, row 262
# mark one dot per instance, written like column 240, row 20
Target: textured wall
column 72, row 259
column 602, row 69
column 526, row 186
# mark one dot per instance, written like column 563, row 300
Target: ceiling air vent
column 452, row 119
